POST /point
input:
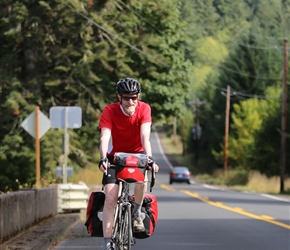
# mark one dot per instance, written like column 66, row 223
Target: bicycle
column 122, row 234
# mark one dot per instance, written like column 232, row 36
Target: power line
column 238, row 36
column 256, row 96
column 267, row 37
column 238, row 93
column 275, row 38
column 113, row 35
column 270, row 47
column 140, row 16
column 246, row 75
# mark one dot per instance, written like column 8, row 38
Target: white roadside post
column 65, row 117
column 71, row 197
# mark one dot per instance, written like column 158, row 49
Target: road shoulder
column 43, row 235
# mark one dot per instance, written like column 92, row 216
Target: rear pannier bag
column 149, row 209
column 94, row 214
column 130, row 167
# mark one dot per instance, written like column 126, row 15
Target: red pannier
column 149, row 209
column 95, row 207
column 130, row 167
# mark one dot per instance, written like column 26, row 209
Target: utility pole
column 174, row 128
column 183, row 136
column 227, row 131
column 284, row 117
column 196, row 132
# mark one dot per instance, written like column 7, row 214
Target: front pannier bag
column 150, row 211
column 94, row 214
column 130, row 167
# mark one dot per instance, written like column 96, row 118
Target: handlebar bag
column 149, row 213
column 94, row 214
column 130, row 167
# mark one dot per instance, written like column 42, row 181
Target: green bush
column 236, row 177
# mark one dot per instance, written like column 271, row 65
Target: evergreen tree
column 67, row 53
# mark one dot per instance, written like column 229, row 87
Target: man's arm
column 104, row 144
column 104, row 141
column 145, row 131
column 145, row 139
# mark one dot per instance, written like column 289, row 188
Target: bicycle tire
column 126, row 229
column 122, row 235
column 128, row 236
column 116, row 231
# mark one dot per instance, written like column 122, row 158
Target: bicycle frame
column 122, row 233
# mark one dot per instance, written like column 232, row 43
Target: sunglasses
column 128, row 98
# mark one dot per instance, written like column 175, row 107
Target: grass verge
column 236, row 179
column 90, row 175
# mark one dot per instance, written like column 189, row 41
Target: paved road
column 204, row 217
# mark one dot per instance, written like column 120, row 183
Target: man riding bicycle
column 125, row 126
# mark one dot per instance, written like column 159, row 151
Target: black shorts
column 110, row 177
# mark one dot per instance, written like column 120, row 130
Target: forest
column 186, row 54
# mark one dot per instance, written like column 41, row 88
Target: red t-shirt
column 125, row 129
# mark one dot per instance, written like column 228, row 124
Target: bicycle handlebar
column 153, row 174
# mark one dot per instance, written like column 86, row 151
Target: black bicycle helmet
column 128, row 86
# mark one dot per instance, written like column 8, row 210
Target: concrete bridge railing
column 20, row 210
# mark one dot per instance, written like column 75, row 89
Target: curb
column 43, row 235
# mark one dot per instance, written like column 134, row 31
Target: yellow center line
column 267, row 217
column 236, row 210
column 167, row 187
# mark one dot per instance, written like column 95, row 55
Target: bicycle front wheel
column 127, row 228
column 124, row 240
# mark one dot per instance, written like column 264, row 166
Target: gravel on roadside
column 43, row 235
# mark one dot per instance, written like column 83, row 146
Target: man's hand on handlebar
column 152, row 164
column 154, row 169
column 104, row 165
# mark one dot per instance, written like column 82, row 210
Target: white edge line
column 161, row 150
column 212, row 187
column 275, row 197
column 265, row 195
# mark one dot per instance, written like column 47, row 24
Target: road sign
column 58, row 117
column 59, row 171
column 29, row 124
column 197, row 132
column 65, row 117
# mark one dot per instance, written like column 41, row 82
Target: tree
column 66, row 53
column 253, row 63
